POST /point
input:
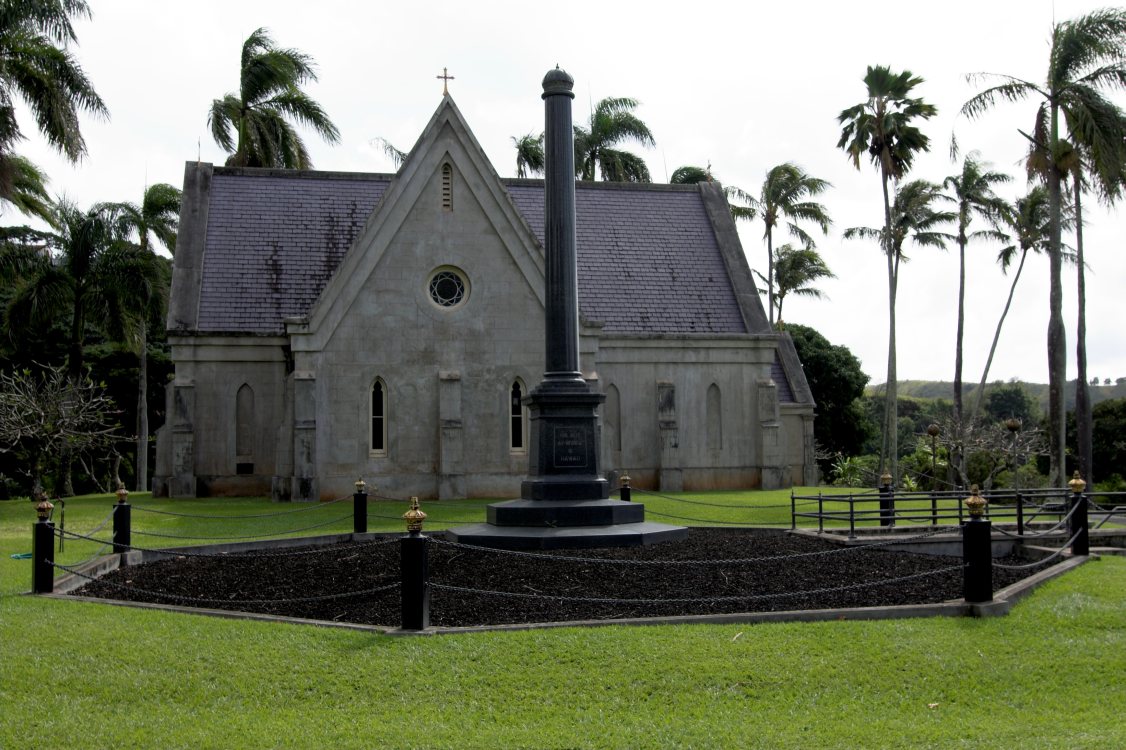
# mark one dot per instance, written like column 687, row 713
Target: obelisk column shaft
column 562, row 283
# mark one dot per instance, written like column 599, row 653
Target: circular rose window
column 448, row 287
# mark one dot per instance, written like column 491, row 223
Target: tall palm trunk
column 959, row 458
column 142, row 466
column 889, row 453
column 1057, row 337
column 770, row 275
column 996, row 337
column 1083, row 419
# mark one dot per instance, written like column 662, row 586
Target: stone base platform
column 574, row 537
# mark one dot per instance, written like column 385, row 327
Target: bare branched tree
column 43, row 414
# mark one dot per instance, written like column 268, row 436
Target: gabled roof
column 260, row 246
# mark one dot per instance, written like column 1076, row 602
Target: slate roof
column 648, row 257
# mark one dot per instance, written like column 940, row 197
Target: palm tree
column 972, row 191
column 157, row 217
column 913, row 217
column 795, row 269
column 1028, row 220
column 36, row 66
column 26, row 190
column 1086, row 57
column 596, row 144
column 786, row 192
column 269, row 97
column 397, row 156
column 529, row 154
column 882, row 127
column 738, row 201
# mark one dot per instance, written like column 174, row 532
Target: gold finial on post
column 975, row 502
column 885, row 479
column 414, row 517
column 361, row 485
column 44, row 508
column 1077, row 484
column 624, row 481
column 122, row 494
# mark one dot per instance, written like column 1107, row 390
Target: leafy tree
column 787, row 193
column 255, row 125
column 795, row 270
column 597, row 151
column 883, row 127
column 837, row 383
column 37, row 67
column 1110, row 437
column 972, row 192
column 913, row 217
column 1011, row 401
column 1086, row 57
column 157, row 217
column 529, row 154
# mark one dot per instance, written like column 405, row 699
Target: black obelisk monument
column 564, row 501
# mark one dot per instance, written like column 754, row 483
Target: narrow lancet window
column 516, row 431
column 378, row 417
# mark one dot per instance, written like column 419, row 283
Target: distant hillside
column 944, row 389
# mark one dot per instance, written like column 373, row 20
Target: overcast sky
column 743, row 86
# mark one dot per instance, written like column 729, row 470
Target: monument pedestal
column 564, row 502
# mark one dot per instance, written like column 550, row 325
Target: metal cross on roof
column 445, row 79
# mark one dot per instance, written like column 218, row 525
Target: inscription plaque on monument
column 569, row 448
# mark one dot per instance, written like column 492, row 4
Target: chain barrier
column 1045, row 532
column 246, row 536
column 703, row 599
column 1047, row 559
column 249, row 555
column 205, row 600
column 721, row 505
column 645, row 563
column 312, row 506
column 59, row 532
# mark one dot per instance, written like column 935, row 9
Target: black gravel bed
column 809, row 582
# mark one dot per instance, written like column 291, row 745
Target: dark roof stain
column 648, row 259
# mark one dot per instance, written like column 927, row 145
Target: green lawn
column 79, row 675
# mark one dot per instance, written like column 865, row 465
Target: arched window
column 244, row 430
column 715, row 419
column 613, row 419
column 517, row 422
column 447, row 188
column 378, row 444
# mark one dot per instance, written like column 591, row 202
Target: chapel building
column 327, row 326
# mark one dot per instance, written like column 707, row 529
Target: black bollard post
column 43, row 550
column 360, row 508
column 887, row 501
column 625, row 491
column 977, row 552
column 414, row 570
column 121, row 521
column 1080, row 544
